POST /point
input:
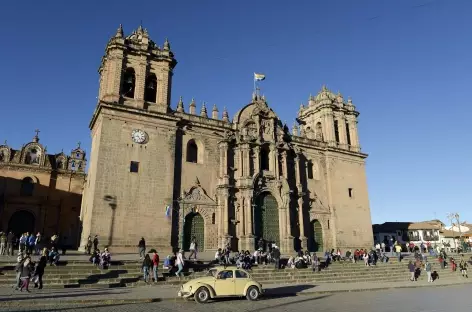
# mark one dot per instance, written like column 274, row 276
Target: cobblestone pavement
column 415, row 300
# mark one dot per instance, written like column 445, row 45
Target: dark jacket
column 147, row 263
column 41, row 265
column 10, row 238
column 142, row 244
column 26, row 271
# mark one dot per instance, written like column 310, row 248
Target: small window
column 241, row 274
column 213, row 218
column 192, row 151
column 77, row 155
column 134, row 167
column 351, row 192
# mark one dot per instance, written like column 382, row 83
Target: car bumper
column 184, row 294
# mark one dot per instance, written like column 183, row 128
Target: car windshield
column 211, row 273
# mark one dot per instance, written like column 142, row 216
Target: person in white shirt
column 179, row 262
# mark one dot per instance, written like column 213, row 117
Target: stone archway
column 316, row 237
column 21, row 222
column 194, row 226
column 266, row 218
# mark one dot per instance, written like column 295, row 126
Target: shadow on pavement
column 36, row 296
column 272, row 307
column 286, row 291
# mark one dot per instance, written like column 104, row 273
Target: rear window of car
column 241, row 274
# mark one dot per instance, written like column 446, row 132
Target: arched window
column 192, row 151
column 151, row 89
column 27, row 187
column 60, row 164
column 72, row 165
column 129, row 83
column 265, row 157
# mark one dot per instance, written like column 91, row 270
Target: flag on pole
column 168, row 211
column 259, row 77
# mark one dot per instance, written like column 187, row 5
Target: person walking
column 95, row 242
column 179, row 262
column 276, row 256
column 142, row 248
column 412, row 269
column 155, row 265
column 25, row 274
column 193, row 248
column 427, row 268
column 3, row 243
column 19, row 264
column 39, row 271
column 147, row 264
column 463, row 266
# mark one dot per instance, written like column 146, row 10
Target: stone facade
column 41, row 192
column 167, row 174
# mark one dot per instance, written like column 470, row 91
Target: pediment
column 197, row 196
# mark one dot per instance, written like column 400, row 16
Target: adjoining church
column 170, row 174
column 41, row 192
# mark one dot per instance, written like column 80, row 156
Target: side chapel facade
column 41, row 192
column 170, row 174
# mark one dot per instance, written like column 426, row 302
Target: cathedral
column 41, row 192
column 170, row 174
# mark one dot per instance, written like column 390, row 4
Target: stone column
column 257, row 160
column 342, row 132
column 223, row 159
column 301, row 226
column 355, row 146
column 111, row 76
column 246, row 160
column 272, row 159
column 141, row 71
column 329, row 127
column 285, row 164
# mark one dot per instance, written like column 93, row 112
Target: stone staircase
column 74, row 274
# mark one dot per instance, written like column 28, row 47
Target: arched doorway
column 316, row 241
column 194, row 226
column 21, row 222
column 266, row 219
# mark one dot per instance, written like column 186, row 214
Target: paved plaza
column 431, row 299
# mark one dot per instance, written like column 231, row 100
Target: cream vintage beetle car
column 222, row 282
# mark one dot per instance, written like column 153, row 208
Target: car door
column 225, row 283
column 241, row 279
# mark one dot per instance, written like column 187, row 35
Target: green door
column 266, row 219
column 194, row 227
column 317, row 231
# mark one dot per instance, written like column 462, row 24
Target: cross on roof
column 37, row 132
column 78, row 144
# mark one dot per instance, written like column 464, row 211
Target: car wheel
column 202, row 295
column 252, row 293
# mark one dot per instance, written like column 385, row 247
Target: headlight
column 190, row 288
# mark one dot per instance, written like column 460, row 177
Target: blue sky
column 406, row 64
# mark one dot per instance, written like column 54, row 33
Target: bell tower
column 137, row 73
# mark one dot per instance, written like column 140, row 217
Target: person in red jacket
column 155, row 264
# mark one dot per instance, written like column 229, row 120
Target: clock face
column 139, row 136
